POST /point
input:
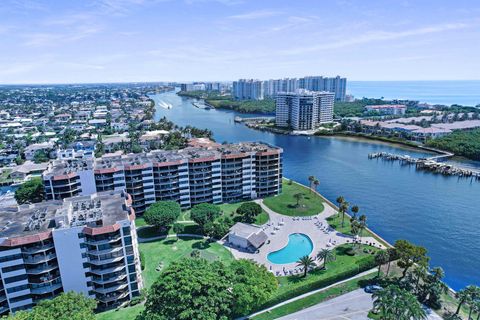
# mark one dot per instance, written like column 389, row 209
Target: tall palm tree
column 311, row 179
column 340, row 200
column 306, row 262
column 362, row 224
column 419, row 273
column 325, row 255
column 343, row 210
column 316, row 183
column 381, row 257
column 298, row 197
column 397, row 304
column 463, row 296
column 392, row 255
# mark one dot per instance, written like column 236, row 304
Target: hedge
column 364, row 264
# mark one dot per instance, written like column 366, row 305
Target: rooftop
column 96, row 210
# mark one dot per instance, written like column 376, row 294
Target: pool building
column 246, row 236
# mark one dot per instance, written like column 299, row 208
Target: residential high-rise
column 247, row 89
column 206, row 172
column 87, row 244
column 303, row 110
column 336, row 85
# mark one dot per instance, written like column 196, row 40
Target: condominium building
column 303, row 110
column 210, row 172
column 337, row 85
column 86, row 244
column 247, row 89
column 387, row 109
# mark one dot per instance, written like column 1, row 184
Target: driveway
column 353, row 305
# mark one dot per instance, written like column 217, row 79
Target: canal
column 440, row 213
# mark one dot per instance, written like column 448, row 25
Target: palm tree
column 298, row 197
column 311, row 179
column 343, row 210
column 362, row 224
column 326, row 255
column 381, row 257
column 340, row 200
column 419, row 272
column 463, row 296
column 392, row 255
column 316, row 183
column 306, row 262
column 397, row 304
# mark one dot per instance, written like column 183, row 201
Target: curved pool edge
column 288, row 246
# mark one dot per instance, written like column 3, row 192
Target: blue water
column 435, row 92
column 299, row 245
column 440, row 213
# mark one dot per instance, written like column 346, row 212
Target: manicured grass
column 315, row 298
column 168, row 250
column 335, row 222
column 342, row 267
column 262, row 218
column 140, row 222
column 129, row 313
column 285, row 203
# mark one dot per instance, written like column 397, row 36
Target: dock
column 253, row 119
column 429, row 164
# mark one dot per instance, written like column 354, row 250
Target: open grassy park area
column 286, row 203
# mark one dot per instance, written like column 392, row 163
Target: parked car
column 372, row 289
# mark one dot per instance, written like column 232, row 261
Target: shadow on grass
column 201, row 245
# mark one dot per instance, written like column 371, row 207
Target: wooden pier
column 428, row 164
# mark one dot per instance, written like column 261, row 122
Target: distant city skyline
column 95, row 41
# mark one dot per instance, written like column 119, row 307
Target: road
column 351, row 306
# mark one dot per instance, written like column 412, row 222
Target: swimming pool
column 298, row 245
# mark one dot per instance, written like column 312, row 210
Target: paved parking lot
column 351, row 306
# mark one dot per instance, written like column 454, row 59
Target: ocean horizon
column 447, row 92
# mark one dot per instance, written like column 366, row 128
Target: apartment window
column 126, row 230
column 83, row 245
column 84, row 255
column 86, row 265
column 130, row 259
column 131, row 268
column 15, row 279
column 13, row 268
column 133, row 277
column 18, row 288
column 127, row 240
column 10, row 258
column 20, row 298
column 134, row 286
column 81, row 235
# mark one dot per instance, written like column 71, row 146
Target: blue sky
column 184, row 40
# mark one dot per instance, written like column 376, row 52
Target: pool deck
column 279, row 227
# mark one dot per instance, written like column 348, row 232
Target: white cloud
column 259, row 14
column 374, row 36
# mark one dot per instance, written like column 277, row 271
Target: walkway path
column 309, row 294
column 280, row 227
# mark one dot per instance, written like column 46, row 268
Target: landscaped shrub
column 366, row 263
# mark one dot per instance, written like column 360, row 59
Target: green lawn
column 335, row 222
column 167, row 251
column 343, row 267
column 121, row 314
column 285, row 203
column 315, row 298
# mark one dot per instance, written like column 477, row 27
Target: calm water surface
column 440, row 213
column 466, row 93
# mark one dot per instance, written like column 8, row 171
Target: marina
column 428, row 164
